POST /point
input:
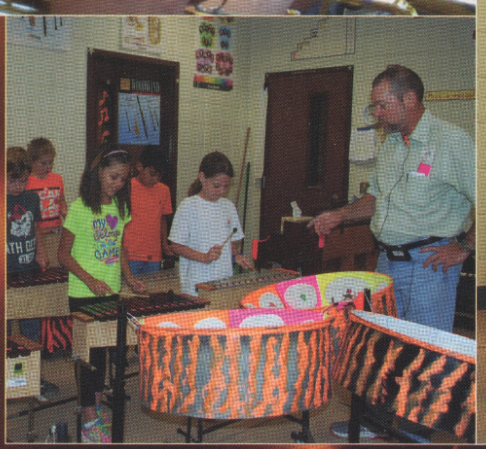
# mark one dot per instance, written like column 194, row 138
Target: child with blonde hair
column 48, row 185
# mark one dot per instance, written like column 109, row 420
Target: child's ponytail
column 195, row 187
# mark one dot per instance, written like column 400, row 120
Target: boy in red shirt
column 48, row 185
column 145, row 236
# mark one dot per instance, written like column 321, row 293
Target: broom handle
column 243, row 165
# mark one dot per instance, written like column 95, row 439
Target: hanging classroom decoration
column 214, row 65
column 142, row 33
column 50, row 32
column 139, row 106
column 104, row 128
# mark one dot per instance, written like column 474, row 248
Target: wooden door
column 114, row 79
column 306, row 151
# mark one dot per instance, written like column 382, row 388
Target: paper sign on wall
column 139, row 105
column 142, row 33
column 214, row 64
column 48, row 32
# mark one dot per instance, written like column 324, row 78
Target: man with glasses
column 420, row 202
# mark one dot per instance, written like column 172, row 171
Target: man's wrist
column 462, row 242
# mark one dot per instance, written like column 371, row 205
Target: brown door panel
column 289, row 169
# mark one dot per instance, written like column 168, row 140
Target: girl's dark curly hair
column 212, row 164
column 90, row 187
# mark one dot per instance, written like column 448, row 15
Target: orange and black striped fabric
column 236, row 373
column 57, row 333
column 416, row 372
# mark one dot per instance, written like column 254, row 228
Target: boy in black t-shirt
column 25, row 250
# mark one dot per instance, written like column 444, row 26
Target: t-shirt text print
column 106, row 245
column 23, row 241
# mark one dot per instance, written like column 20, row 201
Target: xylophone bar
column 99, row 312
column 159, row 281
column 249, row 278
column 92, row 327
column 15, row 349
column 227, row 293
column 37, row 277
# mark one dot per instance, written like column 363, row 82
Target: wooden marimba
column 23, row 367
column 37, row 294
column 96, row 325
column 227, row 293
column 159, row 281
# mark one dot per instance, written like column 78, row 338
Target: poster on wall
column 142, row 33
column 40, row 31
column 139, row 106
column 214, row 64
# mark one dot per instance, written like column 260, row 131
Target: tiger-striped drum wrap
column 416, row 372
column 233, row 364
column 319, row 292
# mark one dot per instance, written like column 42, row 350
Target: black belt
column 400, row 253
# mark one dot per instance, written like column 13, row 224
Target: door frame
column 169, row 133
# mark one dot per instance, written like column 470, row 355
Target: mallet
column 230, row 236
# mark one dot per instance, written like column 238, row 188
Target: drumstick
column 230, row 236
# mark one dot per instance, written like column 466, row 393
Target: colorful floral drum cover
column 320, row 292
column 416, row 372
column 233, row 364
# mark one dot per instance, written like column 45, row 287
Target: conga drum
column 320, row 292
column 235, row 364
column 415, row 372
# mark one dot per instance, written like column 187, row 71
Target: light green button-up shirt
column 426, row 189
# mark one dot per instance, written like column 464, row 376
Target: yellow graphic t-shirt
column 97, row 245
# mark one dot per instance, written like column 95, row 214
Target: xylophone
column 22, row 370
column 37, row 294
column 96, row 325
column 227, row 293
column 159, row 281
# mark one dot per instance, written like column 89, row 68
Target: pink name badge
column 423, row 168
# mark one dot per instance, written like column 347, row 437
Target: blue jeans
column 142, row 266
column 422, row 295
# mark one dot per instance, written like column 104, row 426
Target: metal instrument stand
column 118, row 410
column 303, row 436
